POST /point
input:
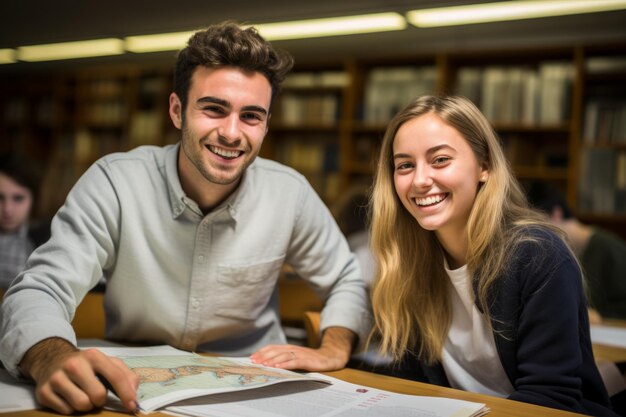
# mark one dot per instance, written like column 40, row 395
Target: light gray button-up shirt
column 174, row 275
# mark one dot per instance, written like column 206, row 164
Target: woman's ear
column 484, row 175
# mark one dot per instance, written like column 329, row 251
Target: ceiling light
column 508, row 10
column 7, row 56
column 346, row 25
column 159, row 42
column 68, row 50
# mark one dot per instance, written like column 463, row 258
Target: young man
column 190, row 237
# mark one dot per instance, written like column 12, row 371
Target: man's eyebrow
column 227, row 104
column 257, row 109
column 213, row 100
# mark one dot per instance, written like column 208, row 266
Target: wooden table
column 611, row 353
column 499, row 407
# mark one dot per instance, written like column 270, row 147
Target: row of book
column 19, row 110
column 106, row 112
column 316, row 158
column 300, row 109
column 605, row 121
column 317, row 79
column 520, row 94
column 388, row 90
column 602, row 187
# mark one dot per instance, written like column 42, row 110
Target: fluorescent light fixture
column 345, row 25
column 508, row 10
column 159, row 42
column 69, row 50
column 7, row 56
column 298, row 29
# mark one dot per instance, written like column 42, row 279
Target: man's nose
column 230, row 128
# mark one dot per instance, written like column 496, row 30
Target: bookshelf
column 305, row 126
column 601, row 136
column 560, row 113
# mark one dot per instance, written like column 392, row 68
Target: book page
column 166, row 379
column 340, row 399
column 15, row 395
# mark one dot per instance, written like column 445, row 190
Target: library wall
column 560, row 113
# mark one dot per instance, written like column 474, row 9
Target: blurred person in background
column 19, row 185
column 602, row 253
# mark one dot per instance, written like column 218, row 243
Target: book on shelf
column 519, row 94
column 556, row 79
column 317, row 79
column 605, row 121
column 145, row 128
column 315, row 158
column 389, row 90
column 602, row 184
column 321, row 109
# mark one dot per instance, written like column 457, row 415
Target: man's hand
column 67, row 378
column 333, row 354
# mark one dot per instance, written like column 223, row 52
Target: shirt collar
column 177, row 196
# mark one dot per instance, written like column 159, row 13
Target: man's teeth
column 224, row 152
column 427, row 201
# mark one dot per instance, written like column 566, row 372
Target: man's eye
column 251, row 116
column 214, row 109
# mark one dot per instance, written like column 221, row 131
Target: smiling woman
column 475, row 290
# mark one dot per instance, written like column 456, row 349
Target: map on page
column 164, row 379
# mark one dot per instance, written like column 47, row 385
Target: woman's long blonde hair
column 409, row 295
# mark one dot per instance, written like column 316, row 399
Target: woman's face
column 15, row 204
column 436, row 174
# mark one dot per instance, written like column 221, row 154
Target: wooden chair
column 312, row 326
column 89, row 319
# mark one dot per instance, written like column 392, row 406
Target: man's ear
column 176, row 111
column 267, row 124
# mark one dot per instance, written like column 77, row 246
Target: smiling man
column 190, row 238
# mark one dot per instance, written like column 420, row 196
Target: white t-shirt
column 470, row 358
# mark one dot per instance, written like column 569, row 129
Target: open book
column 169, row 375
column 187, row 384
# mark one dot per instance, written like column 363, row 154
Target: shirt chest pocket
column 245, row 290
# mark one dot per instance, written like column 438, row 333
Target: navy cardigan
column 541, row 331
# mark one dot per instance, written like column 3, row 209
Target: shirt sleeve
column 319, row 253
column 42, row 301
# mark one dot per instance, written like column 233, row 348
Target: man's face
column 15, row 204
column 223, row 126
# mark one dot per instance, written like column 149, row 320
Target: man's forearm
column 340, row 341
column 44, row 352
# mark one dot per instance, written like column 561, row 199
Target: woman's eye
column 404, row 165
column 441, row 160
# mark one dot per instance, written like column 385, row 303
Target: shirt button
column 201, row 257
column 195, row 303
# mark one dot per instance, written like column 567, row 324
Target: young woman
column 474, row 290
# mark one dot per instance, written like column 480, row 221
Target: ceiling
column 44, row 21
